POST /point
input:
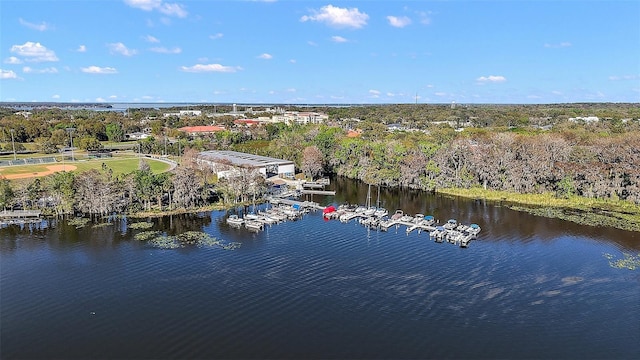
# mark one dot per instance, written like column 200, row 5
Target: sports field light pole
column 70, row 131
column 13, row 144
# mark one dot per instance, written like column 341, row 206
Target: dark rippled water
column 529, row 287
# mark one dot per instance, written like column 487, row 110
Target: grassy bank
column 597, row 212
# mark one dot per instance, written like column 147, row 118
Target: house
column 136, row 136
column 225, row 163
column 354, row 133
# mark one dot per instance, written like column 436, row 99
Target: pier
column 8, row 217
column 451, row 231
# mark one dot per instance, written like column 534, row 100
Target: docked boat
column 254, row 225
column 234, row 219
column 428, row 220
column 474, row 230
column 398, row 214
column 451, row 224
column 380, row 212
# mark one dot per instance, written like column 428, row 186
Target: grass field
column 118, row 165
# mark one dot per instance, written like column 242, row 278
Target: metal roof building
column 224, row 161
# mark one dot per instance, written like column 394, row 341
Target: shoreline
column 592, row 212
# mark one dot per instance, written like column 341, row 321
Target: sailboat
column 252, row 215
column 369, row 210
column 380, row 211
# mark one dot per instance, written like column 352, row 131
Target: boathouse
column 224, row 162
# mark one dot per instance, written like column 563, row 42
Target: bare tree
column 312, row 161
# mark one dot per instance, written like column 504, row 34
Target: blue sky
column 320, row 51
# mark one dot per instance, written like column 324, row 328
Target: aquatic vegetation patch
column 147, row 235
column 628, row 261
column 78, row 222
column 190, row 238
column 602, row 218
column 140, row 225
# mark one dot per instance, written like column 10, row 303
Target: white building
column 303, row 118
column 225, row 162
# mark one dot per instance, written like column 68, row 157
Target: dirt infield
column 52, row 169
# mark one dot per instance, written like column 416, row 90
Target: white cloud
column 198, row 68
column 265, row 56
column 338, row 17
column 34, row 52
column 176, row 10
column 113, row 97
column 99, row 99
column 556, row 92
column 338, row 39
column 8, row 74
column 81, row 48
column 374, row 93
column 291, row 90
column 398, row 22
column 440, row 93
column 312, row 43
column 49, row 70
column 390, row 94
column 164, row 50
column 623, row 77
column 557, row 46
column 40, row 27
column 99, row 70
column 120, row 48
column 491, row 78
column 151, row 39
column 425, row 19
column 216, row 36
column 171, row 9
column 12, row 60
column 293, row 61
column 56, row 96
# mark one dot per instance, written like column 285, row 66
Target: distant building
column 295, row 117
column 354, row 133
column 201, row 130
column 136, row 136
column 224, row 163
column 184, row 113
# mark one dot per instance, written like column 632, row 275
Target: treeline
column 583, row 160
column 100, row 193
column 595, row 160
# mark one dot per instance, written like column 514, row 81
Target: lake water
column 529, row 287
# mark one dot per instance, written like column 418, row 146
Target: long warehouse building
column 223, row 162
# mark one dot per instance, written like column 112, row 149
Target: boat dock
column 8, row 217
column 451, row 231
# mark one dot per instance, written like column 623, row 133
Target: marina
column 282, row 208
column 452, row 232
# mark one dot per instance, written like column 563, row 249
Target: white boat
column 428, row 220
column 381, row 212
column 474, row 229
column 251, row 216
column 234, row 219
column 451, row 224
column 254, row 225
column 398, row 214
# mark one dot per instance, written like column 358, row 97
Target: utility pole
column 13, row 144
column 70, row 130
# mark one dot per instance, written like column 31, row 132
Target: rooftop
column 242, row 159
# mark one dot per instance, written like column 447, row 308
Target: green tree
column 6, row 193
column 114, row 132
